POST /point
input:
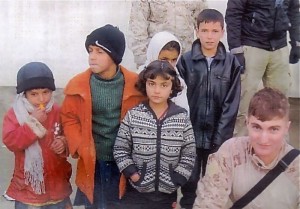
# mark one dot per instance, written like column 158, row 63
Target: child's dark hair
column 159, row 68
column 267, row 104
column 172, row 45
column 210, row 15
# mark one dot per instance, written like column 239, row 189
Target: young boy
column 242, row 162
column 165, row 46
column 155, row 145
column 95, row 102
column 213, row 90
column 31, row 130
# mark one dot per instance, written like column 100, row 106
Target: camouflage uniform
column 151, row 16
column 235, row 169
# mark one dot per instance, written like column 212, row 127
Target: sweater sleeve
column 123, row 148
column 214, row 188
column 138, row 33
column 188, row 153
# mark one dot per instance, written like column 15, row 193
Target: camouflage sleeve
column 138, row 30
column 195, row 7
column 215, row 187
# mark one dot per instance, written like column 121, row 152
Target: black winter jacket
column 213, row 94
column 262, row 24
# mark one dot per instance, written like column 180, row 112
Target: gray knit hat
column 110, row 39
column 34, row 75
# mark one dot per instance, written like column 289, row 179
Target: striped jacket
column 162, row 151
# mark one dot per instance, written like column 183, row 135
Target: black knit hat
column 110, row 39
column 34, row 75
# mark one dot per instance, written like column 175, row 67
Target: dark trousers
column 189, row 189
column 65, row 204
column 106, row 191
column 153, row 200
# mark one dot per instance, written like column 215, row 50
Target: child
column 165, row 46
column 95, row 102
column 242, row 162
column 31, row 130
column 213, row 90
column 155, row 147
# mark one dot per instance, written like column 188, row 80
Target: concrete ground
column 7, row 157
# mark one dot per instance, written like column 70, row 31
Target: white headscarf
column 157, row 42
column 33, row 163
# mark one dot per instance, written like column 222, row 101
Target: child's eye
column 150, row 84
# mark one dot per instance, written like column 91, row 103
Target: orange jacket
column 76, row 116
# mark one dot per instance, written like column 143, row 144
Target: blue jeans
column 106, row 191
column 61, row 205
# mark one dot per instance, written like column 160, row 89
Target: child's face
column 158, row 90
column 38, row 97
column 267, row 137
column 209, row 35
column 169, row 55
column 101, row 63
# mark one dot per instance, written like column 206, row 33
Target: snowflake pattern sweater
column 161, row 151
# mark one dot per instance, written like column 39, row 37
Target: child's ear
column 223, row 32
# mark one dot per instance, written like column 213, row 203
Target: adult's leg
column 278, row 74
column 256, row 61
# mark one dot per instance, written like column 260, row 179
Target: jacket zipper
column 208, row 82
column 158, row 145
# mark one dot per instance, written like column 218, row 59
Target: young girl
column 165, row 46
column 31, row 130
column 155, row 146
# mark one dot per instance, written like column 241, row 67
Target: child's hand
column 135, row 177
column 58, row 145
column 39, row 114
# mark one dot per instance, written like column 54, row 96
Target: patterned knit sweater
column 161, row 151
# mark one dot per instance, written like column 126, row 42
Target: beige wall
column 54, row 32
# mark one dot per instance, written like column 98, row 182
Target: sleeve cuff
column 131, row 169
column 179, row 179
column 37, row 128
column 237, row 50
